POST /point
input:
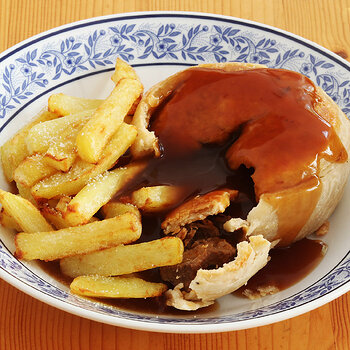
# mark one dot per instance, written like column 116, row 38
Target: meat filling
column 197, row 230
column 208, row 253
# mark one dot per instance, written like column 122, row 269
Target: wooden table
column 26, row 323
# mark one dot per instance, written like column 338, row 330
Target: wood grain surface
column 26, row 323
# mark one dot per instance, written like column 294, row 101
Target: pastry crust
column 146, row 142
column 197, row 208
column 263, row 219
column 209, row 285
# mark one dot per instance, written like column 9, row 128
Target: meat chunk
column 198, row 208
column 211, row 252
column 197, row 230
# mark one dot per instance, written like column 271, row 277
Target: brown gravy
column 282, row 136
column 287, row 265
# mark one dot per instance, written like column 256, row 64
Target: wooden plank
column 26, row 323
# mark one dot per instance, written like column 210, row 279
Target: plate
column 78, row 59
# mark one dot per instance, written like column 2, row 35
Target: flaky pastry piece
column 210, row 285
column 198, row 208
column 270, row 221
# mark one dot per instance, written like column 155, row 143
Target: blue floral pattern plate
column 78, row 59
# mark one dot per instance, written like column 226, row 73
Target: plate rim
column 169, row 327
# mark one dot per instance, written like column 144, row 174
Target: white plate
column 78, row 59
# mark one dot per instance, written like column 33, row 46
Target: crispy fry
column 61, row 156
column 156, row 198
column 123, row 71
column 25, row 192
column 78, row 176
column 63, row 104
column 112, row 209
column 44, row 135
column 116, row 287
column 31, row 170
column 98, row 192
column 78, row 240
column 54, row 217
column 107, row 119
column 62, row 203
column 8, row 221
column 59, row 159
column 127, row 259
column 132, row 110
column 15, row 149
column 24, row 212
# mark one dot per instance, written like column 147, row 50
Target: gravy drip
column 266, row 118
column 287, row 266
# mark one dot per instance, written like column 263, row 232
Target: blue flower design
column 26, row 70
column 116, row 39
column 336, row 98
column 254, row 58
column 306, row 68
column 196, row 43
column 69, row 62
column 162, row 46
column 215, row 39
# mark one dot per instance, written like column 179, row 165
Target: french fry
column 94, row 219
column 156, row 198
column 77, row 177
column 31, row 170
column 27, row 216
column 62, row 203
column 15, row 150
column 65, row 184
column 42, row 136
column 61, row 153
column 123, row 71
column 25, row 192
column 116, row 287
column 8, row 221
column 61, row 156
column 127, row 259
column 65, row 105
column 112, row 209
column 97, row 192
column 78, row 240
column 107, row 119
column 54, row 217
column 128, row 118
